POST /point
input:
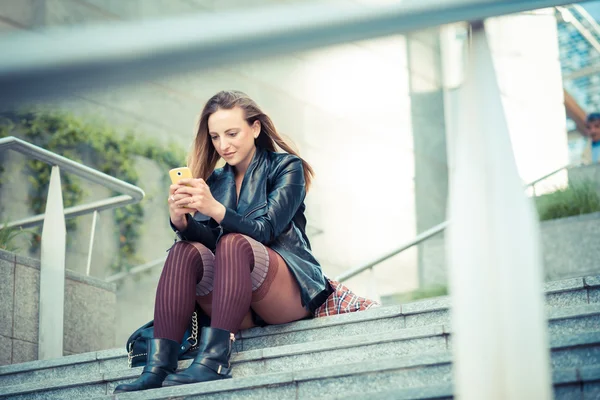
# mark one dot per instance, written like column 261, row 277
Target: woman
column 244, row 254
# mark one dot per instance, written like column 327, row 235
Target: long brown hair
column 203, row 156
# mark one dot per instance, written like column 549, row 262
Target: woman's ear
column 256, row 129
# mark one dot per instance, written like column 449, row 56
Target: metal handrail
column 136, row 270
column 159, row 261
column 417, row 240
column 344, row 276
column 548, row 175
column 130, row 193
column 53, row 243
column 68, row 59
column 426, row 235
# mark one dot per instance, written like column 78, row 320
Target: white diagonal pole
column 72, row 59
column 500, row 344
column 52, row 273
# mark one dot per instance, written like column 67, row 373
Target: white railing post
column 52, row 273
column 91, row 247
column 500, row 338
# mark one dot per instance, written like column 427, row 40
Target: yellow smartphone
column 178, row 174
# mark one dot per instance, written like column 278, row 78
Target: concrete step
column 386, row 379
column 574, row 307
column 569, row 384
column 319, row 382
column 413, row 346
column 562, row 321
column 559, row 294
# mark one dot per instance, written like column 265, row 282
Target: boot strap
column 156, row 370
column 215, row 366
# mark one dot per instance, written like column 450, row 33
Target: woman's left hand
column 200, row 198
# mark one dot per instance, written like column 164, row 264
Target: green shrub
column 578, row 198
column 8, row 237
column 109, row 152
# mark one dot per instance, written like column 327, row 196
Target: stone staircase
column 395, row 352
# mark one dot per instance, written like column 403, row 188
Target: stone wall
column 571, row 246
column 585, row 173
column 89, row 319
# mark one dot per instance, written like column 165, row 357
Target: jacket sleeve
column 283, row 200
column 197, row 231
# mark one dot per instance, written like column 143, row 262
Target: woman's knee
column 230, row 238
column 186, row 255
column 192, row 248
column 181, row 247
column 233, row 243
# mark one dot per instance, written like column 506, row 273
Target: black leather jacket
column 270, row 210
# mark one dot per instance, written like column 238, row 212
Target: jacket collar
column 254, row 178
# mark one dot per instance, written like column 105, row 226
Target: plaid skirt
column 342, row 301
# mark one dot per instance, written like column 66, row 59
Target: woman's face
column 232, row 137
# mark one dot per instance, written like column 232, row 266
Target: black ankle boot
column 212, row 361
column 160, row 362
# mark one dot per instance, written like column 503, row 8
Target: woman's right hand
column 177, row 213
